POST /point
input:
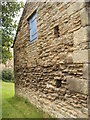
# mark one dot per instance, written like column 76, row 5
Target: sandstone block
column 69, row 59
column 84, row 17
column 80, row 56
column 57, row 78
column 85, row 71
column 77, row 85
column 80, row 36
column 73, row 8
column 89, row 56
column 88, row 9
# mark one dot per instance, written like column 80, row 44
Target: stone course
column 52, row 72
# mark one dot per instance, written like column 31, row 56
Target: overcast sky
column 18, row 18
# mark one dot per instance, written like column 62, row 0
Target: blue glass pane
column 33, row 27
column 31, row 35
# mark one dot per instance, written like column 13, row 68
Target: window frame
column 31, row 20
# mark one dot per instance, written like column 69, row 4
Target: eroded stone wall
column 52, row 72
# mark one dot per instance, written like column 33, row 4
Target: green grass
column 16, row 107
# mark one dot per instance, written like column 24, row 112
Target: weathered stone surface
column 69, row 59
column 84, row 17
column 73, row 8
column 77, row 85
column 80, row 56
column 51, row 72
column 80, row 36
column 85, row 71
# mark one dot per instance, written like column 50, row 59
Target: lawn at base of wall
column 16, row 107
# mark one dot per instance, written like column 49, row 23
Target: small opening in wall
column 56, row 31
column 58, row 83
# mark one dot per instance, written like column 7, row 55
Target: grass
column 16, row 107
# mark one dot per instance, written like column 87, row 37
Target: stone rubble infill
column 52, row 72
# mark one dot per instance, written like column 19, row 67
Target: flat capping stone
column 77, row 85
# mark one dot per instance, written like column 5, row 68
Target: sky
column 18, row 18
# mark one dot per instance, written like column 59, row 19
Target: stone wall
column 52, row 72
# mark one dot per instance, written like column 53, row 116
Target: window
column 33, row 26
column 56, row 31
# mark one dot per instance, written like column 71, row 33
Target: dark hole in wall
column 58, row 83
column 56, row 31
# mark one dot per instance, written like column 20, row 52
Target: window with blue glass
column 33, row 27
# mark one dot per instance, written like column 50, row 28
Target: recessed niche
column 56, row 31
column 58, row 83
